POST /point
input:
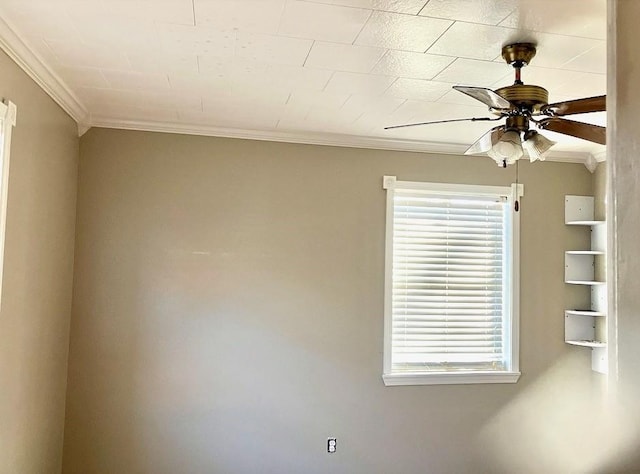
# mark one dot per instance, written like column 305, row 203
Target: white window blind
column 449, row 301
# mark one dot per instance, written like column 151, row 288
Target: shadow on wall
column 585, row 430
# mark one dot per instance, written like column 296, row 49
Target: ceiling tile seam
column 329, row 79
column 440, row 96
column 423, row 7
column 348, row 71
column 531, row 30
column 284, row 7
column 581, row 71
column 357, row 118
column 388, row 50
column 379, row 61
column 562, row 66
column 453, row 60
column 475, row 23
column 353, row 7
column 438, row 38
column 313, row 43
column 505, row 18
column 384, row 92
column 344, row 102
column 362, row 28
column 404, row 101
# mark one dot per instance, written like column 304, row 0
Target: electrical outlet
column 331, row 445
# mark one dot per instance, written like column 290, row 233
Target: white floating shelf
column 585, row 282
column 587, row 343
column 585, row 222
column 587, row 327
column 584, row 312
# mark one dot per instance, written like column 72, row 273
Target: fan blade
column 486, row 96
column 472, row 119
column 486, row 141
column 578, row 106
column 586, row 131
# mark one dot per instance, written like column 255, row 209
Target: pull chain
column 516, row 205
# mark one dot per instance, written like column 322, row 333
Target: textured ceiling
column 348, row 67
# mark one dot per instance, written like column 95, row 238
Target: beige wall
column 228, row 318
column 37, row 286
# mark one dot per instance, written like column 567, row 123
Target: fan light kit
column 523, row 104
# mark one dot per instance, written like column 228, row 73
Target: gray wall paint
column 37, row 286
column 228, row 317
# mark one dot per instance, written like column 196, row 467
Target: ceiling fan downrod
column 518, row 55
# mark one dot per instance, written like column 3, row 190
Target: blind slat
column 448, row 270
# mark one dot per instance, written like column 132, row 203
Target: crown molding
column 600, row 156
column 308, row 138
column 38, row 70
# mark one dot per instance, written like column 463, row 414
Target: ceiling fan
column 522, row 104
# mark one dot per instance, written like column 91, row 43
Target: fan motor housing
column 525, row 96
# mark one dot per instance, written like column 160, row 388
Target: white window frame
column 8, row 113
column 511, row 373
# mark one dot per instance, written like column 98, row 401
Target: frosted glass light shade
column 536, row 145
column 508, row 148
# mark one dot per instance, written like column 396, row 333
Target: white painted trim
column 512, row 291
column 453, row 188
column 517, row 191
column 83, row 128
column 591, row 163
column 595, row 159
column 38, row 70
column 451, row 378
column 388, row 183
column 310, row 138
column 600, row 156
column 8, row 113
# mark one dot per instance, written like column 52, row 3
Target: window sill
column 450, row 378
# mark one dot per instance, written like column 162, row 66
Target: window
column 451, row 284
column 7, row 122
